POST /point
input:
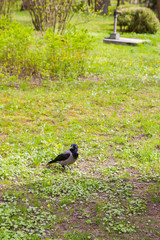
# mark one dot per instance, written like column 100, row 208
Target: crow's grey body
column 68, row 157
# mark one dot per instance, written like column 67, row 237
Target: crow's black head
column 74, row 146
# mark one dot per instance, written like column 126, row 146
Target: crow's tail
column 52, row 161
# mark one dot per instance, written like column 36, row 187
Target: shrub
column 14, row 44
column 50, row 13
column 50, row 56
column 138, row 19
column 6, row 7
column 66, row 55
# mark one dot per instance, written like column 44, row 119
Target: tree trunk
column 158, row 9
column 25, row 5
column 102, row 5
column 89, row 2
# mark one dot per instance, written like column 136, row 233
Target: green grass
column 112, row 113
column 23, row 17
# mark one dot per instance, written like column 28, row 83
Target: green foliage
column 6, row 7
column 79, row 6
column 138, row 19
column 14, row 42
column 77, row 236
column 51, row 56
column 66, row 55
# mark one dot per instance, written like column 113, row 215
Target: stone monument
column 115, row 35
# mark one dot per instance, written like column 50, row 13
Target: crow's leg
column 63, row 168
column 69, row 167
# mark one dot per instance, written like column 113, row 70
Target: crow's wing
column 61, row 157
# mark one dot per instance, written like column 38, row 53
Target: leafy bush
column 66, row 54
column 14, row 43
column 6, row 7
column 138, row 19
column 50, row 56
column 50, row 13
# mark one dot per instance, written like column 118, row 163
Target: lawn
column 112, row 113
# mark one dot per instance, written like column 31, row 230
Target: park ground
column 112, row 113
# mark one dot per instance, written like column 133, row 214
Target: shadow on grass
column 71, row 207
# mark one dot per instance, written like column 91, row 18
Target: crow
column 66, row 158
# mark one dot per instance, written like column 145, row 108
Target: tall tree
column 25, row 4
column 158, row 9
column 154, row 5
column 102, row 5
